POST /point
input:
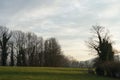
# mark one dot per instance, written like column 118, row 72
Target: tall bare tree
column 20, row 46
column 5, row 35
column 101, row 43
column 11, row 51
column 31, row 47
column 39, row 52
column 52, row 53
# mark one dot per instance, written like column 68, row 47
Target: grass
column 43, row 73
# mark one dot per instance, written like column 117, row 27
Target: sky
column 67, row 20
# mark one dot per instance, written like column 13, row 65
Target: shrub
column 100, row 70
column 111, row 69
column 114, row 69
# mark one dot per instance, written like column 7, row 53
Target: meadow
column 44, row 73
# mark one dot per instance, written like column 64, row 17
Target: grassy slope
column 36, row 73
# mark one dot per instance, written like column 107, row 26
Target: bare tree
column 101, row 43
column 34, row 47
column 19, row 41
column 31, row 42
column 39, row 57
column 5, row 35
column 12, row 55
column 52, row 53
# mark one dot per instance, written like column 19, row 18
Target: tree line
column 18, row 48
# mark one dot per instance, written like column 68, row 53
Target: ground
column 44, row 73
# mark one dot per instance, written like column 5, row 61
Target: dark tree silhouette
column 102, row 44
column 5, row 35
column 11, row 45
column 52, row 53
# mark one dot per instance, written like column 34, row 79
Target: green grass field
column 41, row 73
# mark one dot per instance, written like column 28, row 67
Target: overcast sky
column 67, row 20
